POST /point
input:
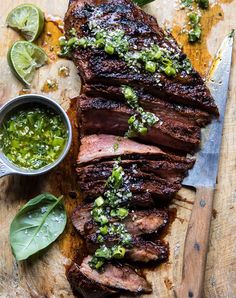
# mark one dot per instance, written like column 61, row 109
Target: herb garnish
column 140, row 120
column 194, row 17
column 196, row 31
column 108, row 212
column 153, row 59
column 37, row 225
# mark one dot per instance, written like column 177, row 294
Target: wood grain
column 45, row 276
column 196, row 245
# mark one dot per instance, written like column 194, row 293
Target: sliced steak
column 148, row 251
column 99, row 115
column 135, row 168
column 96, row 66
column 114, row 278
column 140, row 250
column 96, row 148
column 164, row 109
column 160, row 189
column 138, row 222
column 86, row 286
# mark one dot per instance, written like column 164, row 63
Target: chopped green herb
column 150, row 66
column 140, row 120
column 103, row 252
column 138, row 123
column 195, row 34
column 130, row 96
column 103, row 230
column 186, row 3
column 115, row 42
column 204, row 4
column 99, row 201
column 122, row 213
column 194, row 19
column 109, row 208
column 109, row 50
column 33, row 137
column 196, row 31
column 118, row 252
column 116, row 147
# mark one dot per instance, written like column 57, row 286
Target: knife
column 203, row 178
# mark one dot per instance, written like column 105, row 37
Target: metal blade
column 204, row 172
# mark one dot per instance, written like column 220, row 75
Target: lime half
column 24, row 58
column 28, row 19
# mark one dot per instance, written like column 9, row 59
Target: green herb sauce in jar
column 33, row 137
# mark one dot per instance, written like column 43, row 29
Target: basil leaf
column 142, row 2
column 37, row 225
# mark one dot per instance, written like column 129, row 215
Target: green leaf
column 37, row 225
column 142, row 2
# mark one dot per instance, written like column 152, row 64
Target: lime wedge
column 28, row 19
column 24, row 58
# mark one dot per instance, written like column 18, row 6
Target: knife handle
column 196, row 246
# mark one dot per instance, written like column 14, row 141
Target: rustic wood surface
column 45, row 276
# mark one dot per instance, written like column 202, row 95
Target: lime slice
column 24, row 58
column 28, row 20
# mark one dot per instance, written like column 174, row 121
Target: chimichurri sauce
column 33, row 137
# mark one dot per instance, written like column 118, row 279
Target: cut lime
column 24, row 58
column 28, row 20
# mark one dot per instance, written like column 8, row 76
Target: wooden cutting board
column 45, row 276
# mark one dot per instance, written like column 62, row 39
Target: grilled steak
column 160, row 189
column 86, row 286
column 99, row 115
column 140, row 251
column 96, row 66
column 138, row 222
column 96, row 148
column 163, row 109
column 180, row 100
column 136, row 168
column 91, row 283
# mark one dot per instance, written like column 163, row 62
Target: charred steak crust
column 95, row 66
column 141, row 250
column 114, row 277
column 85, row 286
column 100, row 115
column 162, row 108
column 138, row 222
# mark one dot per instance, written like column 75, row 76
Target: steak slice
column 140, row 251
column 95, row 66
column 135, row 168
column 96, row 148
column 85, row 286
column 159, row 188
column 114, row 278
column 99, row 115
column 138, row 222
column 92, row 178
column 164, row 109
